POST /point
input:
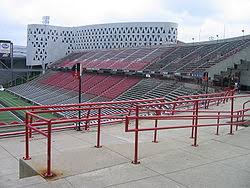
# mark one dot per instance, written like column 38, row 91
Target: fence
column 195, row 115
column 137, row 110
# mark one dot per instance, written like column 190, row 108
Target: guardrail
column 194, row 117
column 125, row 108
column 47, row 134
column 137, row 110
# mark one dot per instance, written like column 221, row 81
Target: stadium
column 120, row 85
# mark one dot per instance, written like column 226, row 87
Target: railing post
column 224, row 100
column 27, row 157
column 218, row 122
column 156, row 125
column 99, row 129
column 237, row 119
column 173, row 109
column 243, row 110
column 49, row 159
column 243, row 114
column 126, row 123
column 205, row 103
column 208, row 103
column 232, row 113
column 129, row 112
column 136, row 136
column 87, row 121
column 218, row 102
column 30, row 122
column 193, row 119
column 196, row 123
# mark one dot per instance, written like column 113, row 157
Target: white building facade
column 46, row 43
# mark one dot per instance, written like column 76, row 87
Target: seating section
column 62, row 88
column 59, row 87
column 222, row 53
column 185, row 58
column 155, row 88
column 131, row 59
column 190, row 59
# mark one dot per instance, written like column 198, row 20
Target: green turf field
column 7, row 117
column 11, row 100
column 14, row 101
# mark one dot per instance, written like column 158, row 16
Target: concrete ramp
column 71, row 162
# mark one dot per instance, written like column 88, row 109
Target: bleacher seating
column 171, row 59
column 62, row 88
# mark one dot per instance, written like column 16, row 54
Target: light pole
column 243, row 33
column 11, row 64
column 217, row 38
column 79, row 70
column 193, row 40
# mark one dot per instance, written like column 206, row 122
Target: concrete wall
column 245, row 73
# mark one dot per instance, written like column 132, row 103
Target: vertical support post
column 126, row 124
column 30, row 122
column 243, row 114
column 224, row 100
column 238, row 114
column 218, row 122
column 27, row 157
column 208, row 103
column 196, row 123
column 232, row 113
column 218, row 102
column 49, row 173
column 131, row 106
column 173, row 109
column 87, row 121
column 80, row 100
column 99, row 129
column 193, row 119
column 11, row 64
column 156, row 125
column 135, row 161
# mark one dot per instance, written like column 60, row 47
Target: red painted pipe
column 99, row 129
column 184, row 126
column 27, row 157
column 136, row 137
column 218, row 122
column 49, row 173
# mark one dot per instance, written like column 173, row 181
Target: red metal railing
column 207, row 103
column 154, row 109
column 47, row 134
column 194, row 117
column 72, row 107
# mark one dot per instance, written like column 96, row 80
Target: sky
column 197, row 20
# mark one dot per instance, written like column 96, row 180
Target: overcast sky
column 198, row 19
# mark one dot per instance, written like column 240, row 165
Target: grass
column 7, row 117
column 13, row 101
